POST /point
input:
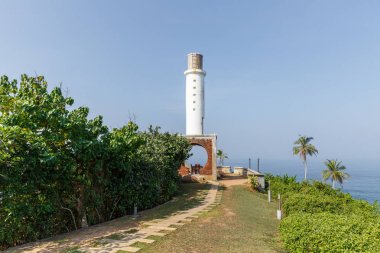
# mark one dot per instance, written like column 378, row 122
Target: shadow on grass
column 190, row 195
column 222, row 187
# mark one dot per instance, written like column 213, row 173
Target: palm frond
column 303, row 147
column 335, row 171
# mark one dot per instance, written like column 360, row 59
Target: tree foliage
column 304, row 148
column 61, row 170
column 221, row 156
column 335, row 171
column 253, row 182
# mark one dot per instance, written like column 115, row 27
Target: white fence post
column 279, row 211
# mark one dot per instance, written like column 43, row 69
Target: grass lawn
column 244, row 222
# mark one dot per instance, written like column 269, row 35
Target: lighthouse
column 195, row 98
column 195, row 116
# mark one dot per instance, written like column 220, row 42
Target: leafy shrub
column 326, row 232
column 321, row 219
column 281, row 184
column 60, row 170
column 303, row 203
column 254, row 182
column 316, row 203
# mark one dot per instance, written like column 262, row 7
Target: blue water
column 363, row 184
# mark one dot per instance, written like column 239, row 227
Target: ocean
column 364, row 182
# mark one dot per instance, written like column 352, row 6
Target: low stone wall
column 224, row 169
column 241, row 171
column 195, row 178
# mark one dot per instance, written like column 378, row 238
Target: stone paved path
column 158, row 227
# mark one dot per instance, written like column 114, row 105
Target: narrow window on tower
column 194, row 80
column 193, row 109
column 194, row 102
column 194, row 94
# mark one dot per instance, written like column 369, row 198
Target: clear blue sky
column 276, row 69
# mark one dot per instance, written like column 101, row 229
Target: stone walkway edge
column 158, row 227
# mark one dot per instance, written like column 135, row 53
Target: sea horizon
column 364, row 182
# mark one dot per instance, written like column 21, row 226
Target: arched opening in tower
column 197, row 160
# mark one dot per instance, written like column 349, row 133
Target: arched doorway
column 208, row 143
column 198, row 159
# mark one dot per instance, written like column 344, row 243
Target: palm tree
column 221, row 156
column 304, row 148
column 335, row 171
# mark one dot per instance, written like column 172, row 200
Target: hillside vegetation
column 61, row 171
column 321, row 219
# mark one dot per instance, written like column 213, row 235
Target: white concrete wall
column 225, row 169
column 195, row 106
column 240, row 171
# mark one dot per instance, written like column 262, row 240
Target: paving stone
column 131, row 249
column 150, row 223
column 158, row 220
column 178, row 224
column 115, row 245
column 167, row 224
column 163, row 228
column 157, row 233
column 144, row 240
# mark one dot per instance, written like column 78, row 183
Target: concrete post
column 279, row 211
column 135, row 214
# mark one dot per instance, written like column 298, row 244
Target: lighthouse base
column 208, row 142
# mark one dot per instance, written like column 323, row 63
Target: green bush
column 321, row 219
column 326, row 232
column 254, row 182
column 317, row 203
column 281, row 184
column 286, row 185
column 60, row 170
column 303, row 203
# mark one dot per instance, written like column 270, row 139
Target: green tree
column 334, row 171
column 36, row 158
column 60, row 170
column 2, row 178
column 221, row 155
column 304, row 148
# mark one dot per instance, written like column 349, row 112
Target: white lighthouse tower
column 195, row 98
column 195, row 115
